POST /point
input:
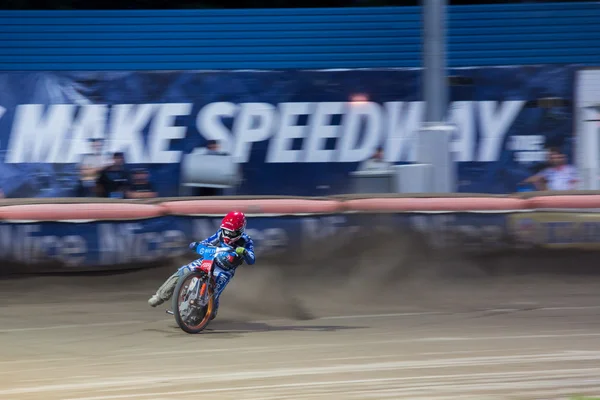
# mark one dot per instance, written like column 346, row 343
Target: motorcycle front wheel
column 190, row 316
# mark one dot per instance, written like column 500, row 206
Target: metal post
column 435, row 87
column 434, row 138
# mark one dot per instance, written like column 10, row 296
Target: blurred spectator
column 558, row 175
column 90, row 168
column 214, row 147
column 140, row 186
column 113, row 181
column 375, row 162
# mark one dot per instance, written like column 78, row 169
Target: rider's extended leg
column 165, row 291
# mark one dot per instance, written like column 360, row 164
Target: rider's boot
column 215, row 310
column 164, row 292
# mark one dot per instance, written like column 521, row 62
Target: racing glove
column 240, row 251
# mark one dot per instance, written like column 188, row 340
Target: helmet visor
column 231, row 234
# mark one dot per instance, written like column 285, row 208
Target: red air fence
column 82, row 210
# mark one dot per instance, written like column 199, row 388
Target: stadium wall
column 383, row 37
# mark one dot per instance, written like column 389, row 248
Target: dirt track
column 528, row 337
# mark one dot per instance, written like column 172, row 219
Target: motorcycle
column 193, row 299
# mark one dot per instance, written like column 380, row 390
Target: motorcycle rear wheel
column 197, row 322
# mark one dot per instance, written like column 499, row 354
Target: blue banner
column 291, row 132
column 108, row 245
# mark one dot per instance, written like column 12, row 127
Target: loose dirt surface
column 292, row 333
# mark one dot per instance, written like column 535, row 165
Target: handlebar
column 222, row 248
column 217, row 249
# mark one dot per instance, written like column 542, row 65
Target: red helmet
column 232, row 227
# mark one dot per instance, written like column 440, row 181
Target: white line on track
column 119, row 323
column 392, row 315
column 530, row 388
column 144, row 353
column 109, row 360
column 319, row 371
column 334, row 317
column 54, row 378
column 503, row 337
column 360, row 342
column 444, row 382
column 40, row 360
column 72, row 326
column 569, row 308
column 140, row 353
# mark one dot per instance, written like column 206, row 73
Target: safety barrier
column 82, row 210
column 80, row 235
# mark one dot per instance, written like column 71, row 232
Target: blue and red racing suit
column 225, row 265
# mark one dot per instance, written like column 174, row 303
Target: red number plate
column 205, row 266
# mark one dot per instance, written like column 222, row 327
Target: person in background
column 113, row 181
column 140, row 186
column 90, row 168
column 213, row 147
column 375, row 162
column 558, row 175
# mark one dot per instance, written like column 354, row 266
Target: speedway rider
column 231, row 233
